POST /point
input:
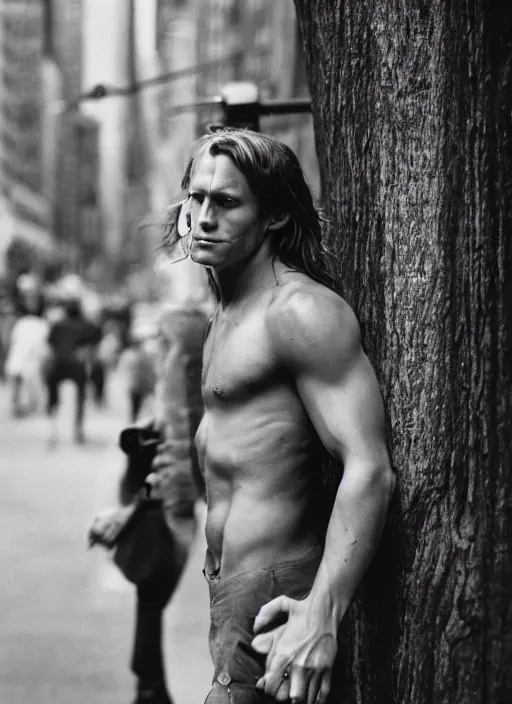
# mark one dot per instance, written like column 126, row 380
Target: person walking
column 174, row 480
column 27, row 355
column 70, row 340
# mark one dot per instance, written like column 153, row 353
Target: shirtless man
column 283, row 368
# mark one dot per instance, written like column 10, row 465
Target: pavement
column 66, row 613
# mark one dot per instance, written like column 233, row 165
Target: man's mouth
column 206, row 240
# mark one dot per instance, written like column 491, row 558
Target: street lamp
column 239, row 100
column 242, row 106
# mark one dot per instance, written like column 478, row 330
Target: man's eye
column 197, row 197
column 226, row 202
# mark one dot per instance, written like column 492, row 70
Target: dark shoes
column 152, row 694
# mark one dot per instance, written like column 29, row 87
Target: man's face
column 227, row 226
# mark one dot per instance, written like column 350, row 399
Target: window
column 48, row 28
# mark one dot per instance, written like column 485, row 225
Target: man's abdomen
column 259, row 477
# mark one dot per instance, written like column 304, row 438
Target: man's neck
column 246, row 278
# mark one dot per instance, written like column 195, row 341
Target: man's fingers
column 325, row 688
column 299, row 681
column 269, row 612
column 110, row 534
column 153, row 485
column 275, row 674
column 263, row 643
column 314, row 688
column 283, row 692
column 162, row 459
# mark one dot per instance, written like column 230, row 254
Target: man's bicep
column 317, row 338
column 346, row 409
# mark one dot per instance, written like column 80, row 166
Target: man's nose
column 207, row 220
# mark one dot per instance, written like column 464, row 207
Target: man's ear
column 279, row 221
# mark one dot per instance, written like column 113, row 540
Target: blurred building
column 77, row 208
column 165, row 46
column 257, row 40
column 24, row 210
column 109, row 32
column 49, row 208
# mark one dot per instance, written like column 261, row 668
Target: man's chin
column 204, row 257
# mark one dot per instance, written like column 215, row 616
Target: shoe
column 152, row 694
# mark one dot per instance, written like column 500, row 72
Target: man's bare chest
column 237, row 360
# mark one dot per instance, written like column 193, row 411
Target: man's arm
column 316, row 336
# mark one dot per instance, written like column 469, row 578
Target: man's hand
column 107, row 525
column 300, row 653
column 156, row 482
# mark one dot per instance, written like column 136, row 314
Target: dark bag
column 139, row 444
column 144, row 546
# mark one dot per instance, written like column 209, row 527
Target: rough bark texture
column 412, row 108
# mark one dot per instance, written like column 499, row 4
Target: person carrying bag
column 152, row 532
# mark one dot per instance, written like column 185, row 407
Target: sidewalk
column 67, row 613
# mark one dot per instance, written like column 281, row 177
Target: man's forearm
column 353, row 534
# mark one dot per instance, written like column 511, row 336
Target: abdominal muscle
column 258, row 480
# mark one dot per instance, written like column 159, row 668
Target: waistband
column 312, row 555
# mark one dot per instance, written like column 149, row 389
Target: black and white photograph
column 256, row 351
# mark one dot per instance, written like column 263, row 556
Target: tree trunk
column 412, row 107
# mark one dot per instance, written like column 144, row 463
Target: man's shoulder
column 304, row 302
column 305, row 317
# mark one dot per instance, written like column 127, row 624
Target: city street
column 66, row 612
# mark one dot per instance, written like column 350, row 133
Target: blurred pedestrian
column 8, row 318
column 137, row 366
column 98, row 376
column 175, row 484
column 71, row 340
column 26, row 357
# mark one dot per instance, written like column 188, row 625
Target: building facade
column 22, row 45
column 109, row 30
column 25, row 212
column 77, row 218
column 42, row 153
column 166, row 45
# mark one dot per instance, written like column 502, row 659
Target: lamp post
column 239, row 100
column 242, row 106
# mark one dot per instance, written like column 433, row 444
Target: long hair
column 277, row 180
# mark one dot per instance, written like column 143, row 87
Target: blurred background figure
column 71, row 340
column 92, row 309
column 27, row 349
column 175, row 478
column 137, row 367
column 107, row 355
column 98, row 375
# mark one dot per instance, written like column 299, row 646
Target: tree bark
column 412, row 104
